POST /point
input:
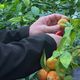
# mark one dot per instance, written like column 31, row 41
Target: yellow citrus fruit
column 51, row 63
column 42, row 74
column 62, row 22
column 52, row 75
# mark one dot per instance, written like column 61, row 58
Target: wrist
column 55, row 37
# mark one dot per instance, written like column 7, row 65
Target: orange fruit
column 62, row 22
column 51, row 63
column 42, row 74
column 52, row 75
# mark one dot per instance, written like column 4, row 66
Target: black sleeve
column 7, row 36
column 19, row 59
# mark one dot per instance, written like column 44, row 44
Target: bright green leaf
column 68, row 31
column 65, row 59
column 62, row 43
column 1, row 6
column 75, row 22
column 15, row 20
column 56, row 54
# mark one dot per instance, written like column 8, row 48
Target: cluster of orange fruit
column 48, row 75
column 44, row 75
column 51, row 62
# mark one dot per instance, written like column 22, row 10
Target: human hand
column 55, row 37
column 46, row 24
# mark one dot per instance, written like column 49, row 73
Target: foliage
column 17, row 13
column 66, row 54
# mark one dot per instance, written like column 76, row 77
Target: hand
column 46, row 24
column 55, row 37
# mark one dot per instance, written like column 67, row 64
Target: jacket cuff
column 24, row 31
column 51, row 46
column 52, row 42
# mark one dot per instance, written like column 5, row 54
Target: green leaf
column 65, row 59
column 75, row 22
column 62, row 43
column 1, row 6
column 15, row 1
column 15, row 20
column 26, row 2
column 56, row 54
column 68, row 77
column 18, row 8
column 72, row 36
column 35, row 10
column 68, row 31
column 65, row 41
column 29, row 16
column 75, row 52
column 43, row 61
column 60, row 67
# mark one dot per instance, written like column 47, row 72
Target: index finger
column 56, row 16
column 51, row 19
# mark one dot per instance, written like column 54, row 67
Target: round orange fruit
column 52, row 75
column 51, row 63
column 42, row 74
column 62, row 22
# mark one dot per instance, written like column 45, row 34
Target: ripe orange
column 42, row 74
column 51, row 63
column 62, row 22
column 52, row 75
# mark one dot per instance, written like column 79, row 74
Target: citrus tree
column 17, row 13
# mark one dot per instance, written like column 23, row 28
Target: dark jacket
column 20, row 54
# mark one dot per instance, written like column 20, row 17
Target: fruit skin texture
column 52, row 75
column 42, row 74
column 62, row 22
column 51, row 63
